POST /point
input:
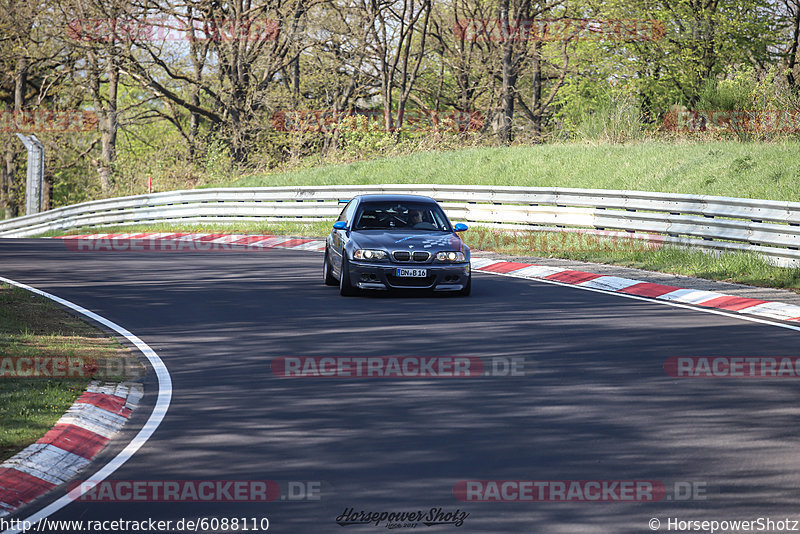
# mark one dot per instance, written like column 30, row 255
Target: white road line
column 159, row 411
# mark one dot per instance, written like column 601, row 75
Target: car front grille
column 417, row 255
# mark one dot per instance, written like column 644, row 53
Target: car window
column 341, row 215
column 347, row 213
column 422, row 216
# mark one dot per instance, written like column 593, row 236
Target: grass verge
column 724, row 168
column 34, row 327
column 742, row 268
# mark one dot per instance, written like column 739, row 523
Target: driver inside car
column 414, row 217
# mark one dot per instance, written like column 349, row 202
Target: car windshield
column 424, row 216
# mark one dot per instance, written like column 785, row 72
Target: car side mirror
column 340, row 225
column 460, row 227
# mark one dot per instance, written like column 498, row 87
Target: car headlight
column 369, row 254
column 451, row 256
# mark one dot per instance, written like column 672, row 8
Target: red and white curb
column 614, row 284
column 81, row 433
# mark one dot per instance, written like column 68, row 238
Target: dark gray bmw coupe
column 396, row 242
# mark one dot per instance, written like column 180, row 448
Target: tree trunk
column 509, row 78
column 536, row 98
column 296, row 79
column 793, row 50
column 8, row 186
column 20, row 83
column 408, row 79
column 194, row 125
column 107, row 111
column 108, row 129
column 47, row 192
column 9, row 193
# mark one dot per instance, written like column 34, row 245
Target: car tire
column 345, row 288
column 467, row 288
column 327, row 272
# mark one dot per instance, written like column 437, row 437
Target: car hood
column 430, row 241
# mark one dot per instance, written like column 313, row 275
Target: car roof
column 395, row 198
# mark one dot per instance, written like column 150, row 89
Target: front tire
column 345, row 288
column 467, row 288
column 327, row 272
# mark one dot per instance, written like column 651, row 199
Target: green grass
column 723, row 168
column 32, row 326
column 28, row 409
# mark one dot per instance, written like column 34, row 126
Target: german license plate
column 412, row 273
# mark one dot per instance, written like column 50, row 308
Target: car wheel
column 327, row 273
column 345, row 288
column 467, row 288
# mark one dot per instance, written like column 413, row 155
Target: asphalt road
column 594, row 404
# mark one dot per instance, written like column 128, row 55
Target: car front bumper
column 382, row 276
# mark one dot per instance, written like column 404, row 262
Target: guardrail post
column 35, row 178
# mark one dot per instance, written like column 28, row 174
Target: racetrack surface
column 595, row 402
